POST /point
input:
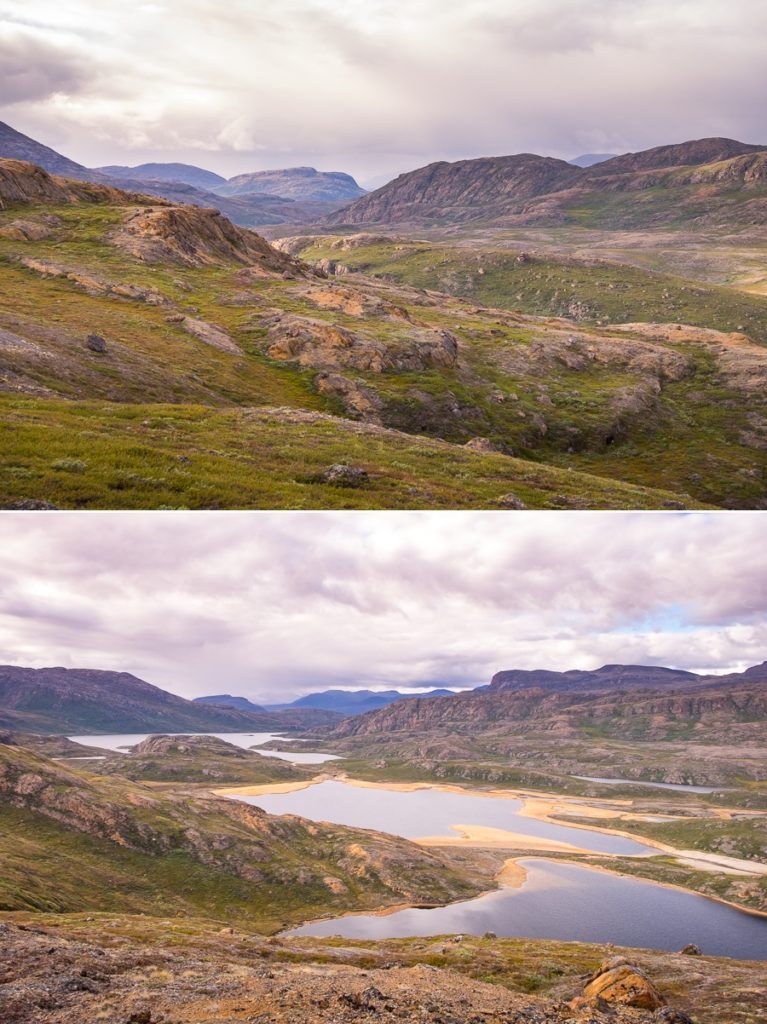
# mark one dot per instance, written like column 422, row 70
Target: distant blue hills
column 344, row 702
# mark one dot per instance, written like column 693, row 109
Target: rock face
column 619, row 983
column 328, row 346
column 295, row 183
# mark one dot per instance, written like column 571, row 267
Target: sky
column 272, row 605
column 375, row 88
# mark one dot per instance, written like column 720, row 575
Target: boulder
column 96, row 343
column 341, row 475
column 618, row 982
column 690, row 950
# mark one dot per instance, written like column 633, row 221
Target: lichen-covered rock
column 621, row 983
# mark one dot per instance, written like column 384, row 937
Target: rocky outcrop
column 189, row 236
column 30, row 229
column 210, row 334
column 329, row 346
column 359, row 401
column 93, row 285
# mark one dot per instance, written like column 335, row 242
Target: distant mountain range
column 355, row 702
column 341, row 702
column 706, row 182
column 294, row 195
column 187, row 174
column 295, row 183
column 61, row 700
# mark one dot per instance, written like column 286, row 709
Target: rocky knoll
column 23, row 183
column 192, row 237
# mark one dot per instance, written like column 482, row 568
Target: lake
column 431, row 812
column 574, row 903
column 655, row 785
column 121, row 741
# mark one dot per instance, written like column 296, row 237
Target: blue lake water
column 122, row 741
column 574, row 903
column 430, row 812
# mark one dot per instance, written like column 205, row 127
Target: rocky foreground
column 130, row 971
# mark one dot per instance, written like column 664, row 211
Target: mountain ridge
column 58, row 700
column 528, row 189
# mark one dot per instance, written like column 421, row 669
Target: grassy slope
column 107, row 455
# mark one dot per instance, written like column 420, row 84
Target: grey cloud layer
column 376, row 86
column 274, row 604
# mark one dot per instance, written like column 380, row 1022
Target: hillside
column 177, row 334
column 294, row 183
column 16, row 146
column 57, row 700
column 709, row 182
column 617, row 701
column 141, row 850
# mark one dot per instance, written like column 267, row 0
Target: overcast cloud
column 273, row 605
column 375, row 88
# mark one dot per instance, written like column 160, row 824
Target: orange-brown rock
column 618, row 982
